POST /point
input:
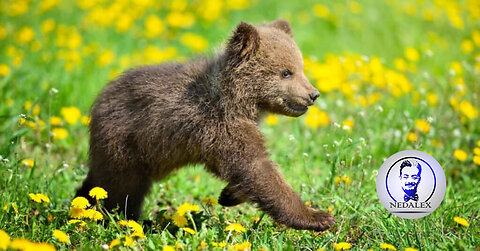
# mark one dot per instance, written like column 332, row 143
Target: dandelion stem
column 193, row 222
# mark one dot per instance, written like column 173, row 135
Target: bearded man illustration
column 410, row 176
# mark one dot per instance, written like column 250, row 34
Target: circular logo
column 411, row 184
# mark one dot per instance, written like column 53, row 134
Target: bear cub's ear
column 244, row 42
column 282, row 25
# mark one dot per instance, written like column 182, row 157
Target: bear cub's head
column 268, row 65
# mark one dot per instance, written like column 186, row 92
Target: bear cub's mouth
column 296, row 108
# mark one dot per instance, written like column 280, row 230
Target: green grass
column 309, row 158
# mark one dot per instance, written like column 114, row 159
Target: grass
column 313, row 152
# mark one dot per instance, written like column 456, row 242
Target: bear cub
column 155, row 119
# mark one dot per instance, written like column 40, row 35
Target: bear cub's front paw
column 322, row 220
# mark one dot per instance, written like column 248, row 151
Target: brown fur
column 154, row 119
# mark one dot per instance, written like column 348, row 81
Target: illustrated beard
column 410, row 192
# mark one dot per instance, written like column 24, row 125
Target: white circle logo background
column 430, row 190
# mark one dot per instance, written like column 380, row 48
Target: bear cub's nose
column 314, row 95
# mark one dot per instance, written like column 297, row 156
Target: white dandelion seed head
column 339, row 103
column 457, row 132
column 291, row 137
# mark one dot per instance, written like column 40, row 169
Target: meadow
column 393, row 75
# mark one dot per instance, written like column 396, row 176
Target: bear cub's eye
column 287, row 74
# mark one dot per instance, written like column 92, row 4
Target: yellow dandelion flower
column 126, row 240
column 93, row 215
column 179, row 220
column 153, row 26
column 168, row 248
column 412, row 54
column 209, row 201
column 28, row 107
column 468, row 110
column 105, row 58
column 180, row 20
column 12, row 205
column 187, row 207
column 476, row 151
column 237, row 4
column 76, row 213
column 241, row 246
column 61, row 236
column 387, row 246
column 348, row 124
column 55, row 121
column 39, row 197
column 47, row 26
column 355, row 7
column 80, row 202
column 71, row 114
column 412, row 137
column 25, row 35
column 134, row 226
column 236, row 228
column 271, row 120
column 77, row 222
column 321, row 11
column 337, row 180
column 316, row 117
column 432, row 98
column 422, row 125
column 59, row 133
column 28, row 163
column 194, row 42
column 460, row 155
column 467, row 46
column 456, row 67
column 461, row 221
column 4, row 70
column 3, row 32
column 98, row 193
column 476, row 159
column 218, row 244
column 411, row 249
column 342, row 246
column 85, row 120
column 137, row 235
column 114, row 243
column 22, row 244
column 189, row 230
column 347, row 180
column 4, row 240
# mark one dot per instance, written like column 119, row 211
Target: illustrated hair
column 410, row 163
